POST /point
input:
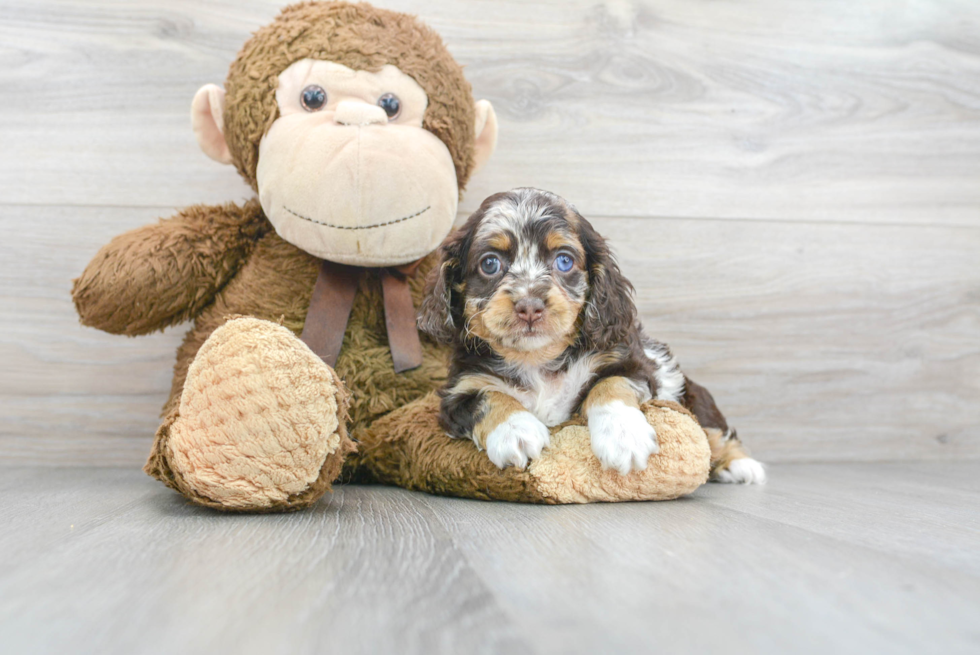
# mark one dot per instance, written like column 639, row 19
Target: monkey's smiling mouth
column 358, row 227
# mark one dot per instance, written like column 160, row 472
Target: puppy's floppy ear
column 609, row 312
column 439, row 312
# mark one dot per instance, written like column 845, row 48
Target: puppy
column 543, row 325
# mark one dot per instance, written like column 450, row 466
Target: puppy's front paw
column 518, row 439
column 622, row 438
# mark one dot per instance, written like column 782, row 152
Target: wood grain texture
column 758, row 576
column 827, row 341
column 127, row 566
column 924, row 511
column 765, row 109
column 849, row 558
column 820, row 341
column 792, row 187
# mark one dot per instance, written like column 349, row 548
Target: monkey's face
column 356, row 127
column 348, row 173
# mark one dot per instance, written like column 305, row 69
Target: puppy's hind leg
column 729, row 460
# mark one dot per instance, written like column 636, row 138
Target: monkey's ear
column 207, row 119
column 486, row 134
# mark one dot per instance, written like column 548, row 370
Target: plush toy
column 358, row 131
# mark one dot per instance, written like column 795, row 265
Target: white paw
column 742, row 471
column 518, row 439
column 622, row 438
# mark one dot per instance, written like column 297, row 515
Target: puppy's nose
column 529, row 310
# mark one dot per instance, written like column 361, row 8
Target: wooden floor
column 792, row 185
column 841, row 558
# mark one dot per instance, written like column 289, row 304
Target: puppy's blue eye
column 564, row 263
column 490, row 265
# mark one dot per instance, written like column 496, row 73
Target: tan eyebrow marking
column 500, row 241
column 557, row 240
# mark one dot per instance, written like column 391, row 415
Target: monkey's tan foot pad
column 261, row 422
column 409, row 449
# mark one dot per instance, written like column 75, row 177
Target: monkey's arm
column 159, row 275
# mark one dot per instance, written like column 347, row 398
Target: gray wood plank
column 370, row 571
column 43, row 509
column 786, row 110
column 920, row 511
column 70, row 394
column 690, row 576
column 108, row 561
column 829, row 341
column 820, row 341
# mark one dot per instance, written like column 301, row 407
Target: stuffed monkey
column 357, row 131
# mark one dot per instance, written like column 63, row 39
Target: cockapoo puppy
column 543, row 325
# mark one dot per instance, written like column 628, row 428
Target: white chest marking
column 551, row 397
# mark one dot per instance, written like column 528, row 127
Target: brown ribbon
column 333, row 299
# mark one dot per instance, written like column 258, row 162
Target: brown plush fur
column 160, row 275
column 276, row 284
column 253, row 377
column 209, row 263
column 406, row 448
column 409, row 449
column 358, row 36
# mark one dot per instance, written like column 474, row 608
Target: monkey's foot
column 260, row 425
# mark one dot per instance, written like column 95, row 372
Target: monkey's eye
column 391, row 104
column 313, row 98
column 564, row 263
column 490, row 265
